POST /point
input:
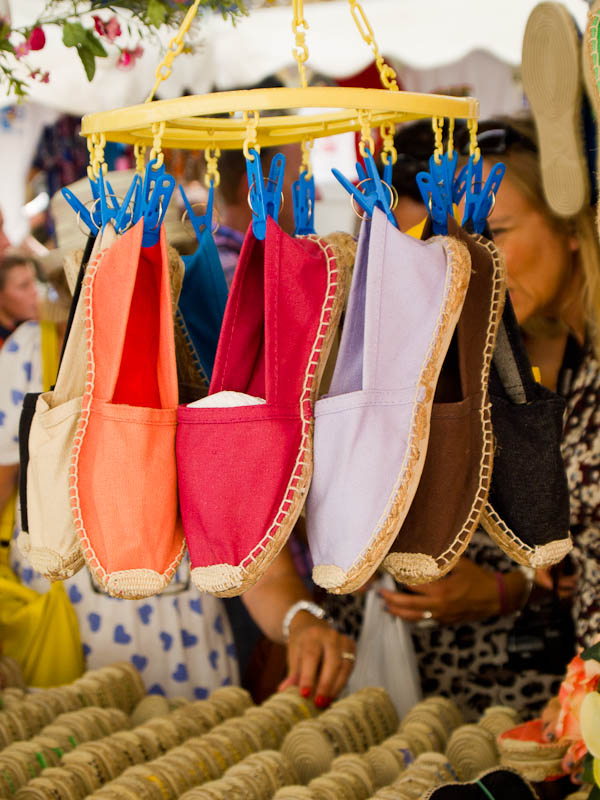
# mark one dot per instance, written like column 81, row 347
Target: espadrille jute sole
column 540, row 556
column 551, row 73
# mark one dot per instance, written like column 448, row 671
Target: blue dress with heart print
column 180, row 640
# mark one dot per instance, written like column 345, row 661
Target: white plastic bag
column 385, row 654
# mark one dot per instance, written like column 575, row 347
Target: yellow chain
column 251, row 142
column 386, row 73
column 139, row 152
column 437, row 123
column 388, row 150
column 450, row 146
column 300, row 51
column 366, row 140
column 473, row 143
column 306, row 165
column 174, row 49
column 212, row 174
column 95, row 145
column 158, row 129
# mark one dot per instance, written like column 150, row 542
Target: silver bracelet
column 301, row 605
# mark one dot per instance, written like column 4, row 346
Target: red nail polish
column 320, row 701
column 328, row 701
column 305, row 691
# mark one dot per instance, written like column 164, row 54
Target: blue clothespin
column 473, row 184
column 265, row 196
column 84, row 214
column 157, row 192
column 479, row 204
column 435, row 201
column 387, row 171
column 443, row 175
column 126, row 214
column 374, row 193
column 108, row 213
column 200, row 222
column 303, row 195
column 459, row 187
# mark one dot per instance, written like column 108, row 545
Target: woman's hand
column 319, row 659
column 466, row 594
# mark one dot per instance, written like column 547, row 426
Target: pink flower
column 110, row 29
column 36, row 39
column 128, row 58
column 38, row 75
column 22, row 49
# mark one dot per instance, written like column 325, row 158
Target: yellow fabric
column 7, row 526
column 417, row 230
column 39, row 631
column 50, row 354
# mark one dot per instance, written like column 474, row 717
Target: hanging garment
column 371, row 430
column 202, row 302
column 48, row 538
column 244, row 470
column 456, row 476
column 124, row 483
column 527, row 420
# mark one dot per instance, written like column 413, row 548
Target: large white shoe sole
column 552, row 80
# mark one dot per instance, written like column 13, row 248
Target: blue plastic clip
column 374, row 193
column 200, row 222
column 109, row 213
column 265, row 196
column 303, row 195
column 459, row 187
column 479, row 204
column 387, row 171
column 473, row 184
column 157, row 198
column 83, row 213
column 435, row 201
column 126, row 214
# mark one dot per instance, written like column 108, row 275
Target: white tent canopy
column 422, row 34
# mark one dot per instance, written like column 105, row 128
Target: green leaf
column 88, row 60
column 594, row 794
column 588, row 769
column 94, row 45
column 156, row 13
column 592, row 652
column 74, row 34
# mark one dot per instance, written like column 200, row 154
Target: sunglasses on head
column 497, row 138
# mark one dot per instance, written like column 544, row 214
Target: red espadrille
column 244, row 453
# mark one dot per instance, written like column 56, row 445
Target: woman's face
column 19, row 297
column 539, row 259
